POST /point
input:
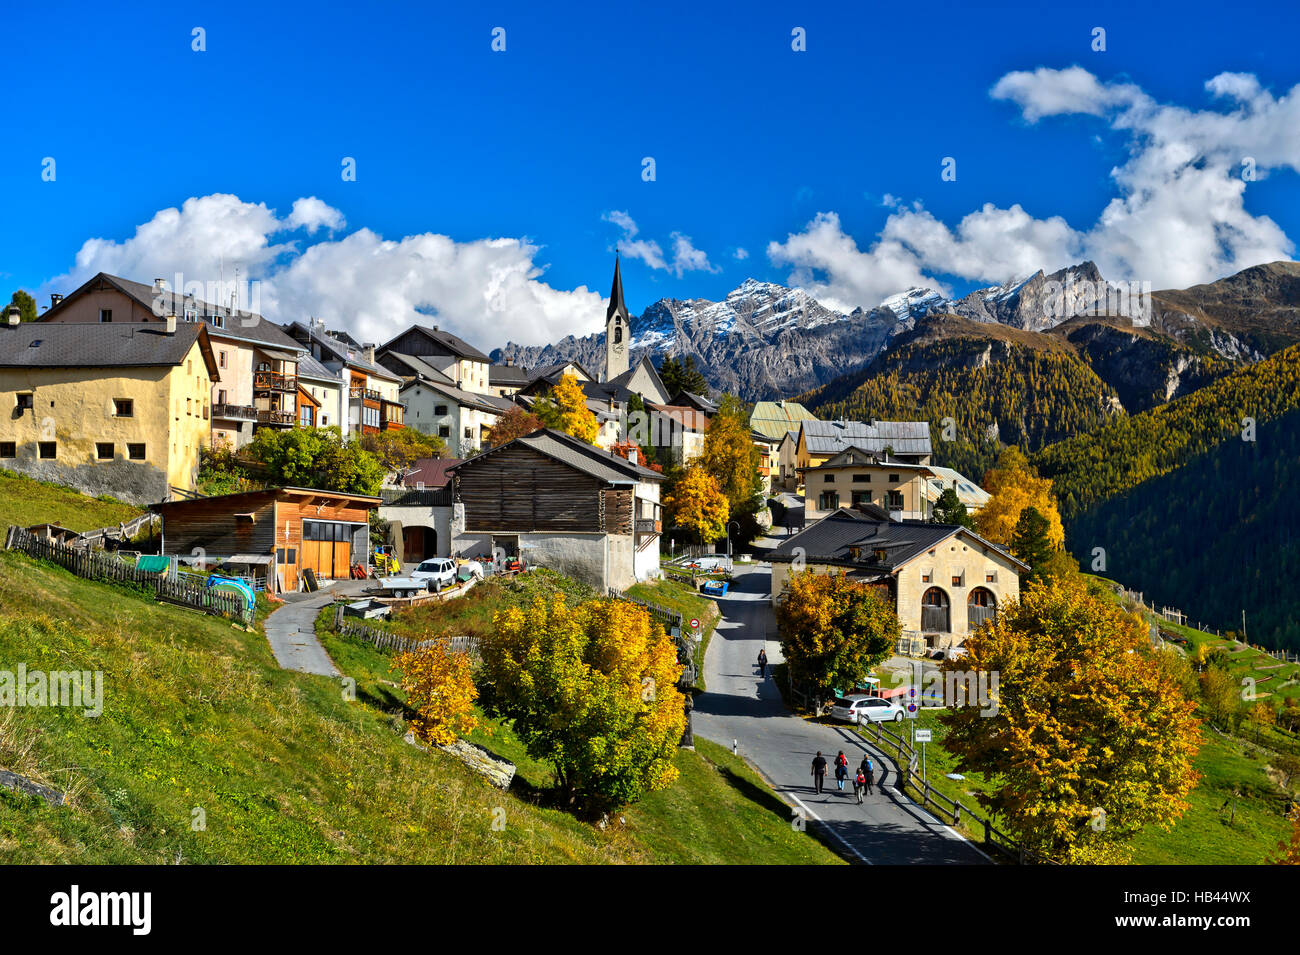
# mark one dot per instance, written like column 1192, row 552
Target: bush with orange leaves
column 592, row 690
column 440, row 689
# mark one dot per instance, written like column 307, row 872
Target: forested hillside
column 1090, row 468
column 1218, row 535
column 994, row 385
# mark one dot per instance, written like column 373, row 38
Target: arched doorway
column 934, row 611
column 980, row 606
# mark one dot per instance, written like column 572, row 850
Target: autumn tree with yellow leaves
column 695, row 502
column 440, row 689
column 565, row 409
column 833, row 630
column 592, row 690
column 1091, row 738
column 1014, row 485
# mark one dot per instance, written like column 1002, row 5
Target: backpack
column 861, row 778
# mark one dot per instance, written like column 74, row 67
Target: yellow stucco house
column 945, row 580
column 854, row 477
column 112, row 408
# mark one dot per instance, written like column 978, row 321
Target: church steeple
column 617, row 329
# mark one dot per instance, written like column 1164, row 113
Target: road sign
column 695, row 624
column 923, row 736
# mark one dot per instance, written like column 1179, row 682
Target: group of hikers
column 863, row 780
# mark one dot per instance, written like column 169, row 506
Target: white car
column 437, row 572
column 708, row 563
column 860, row 708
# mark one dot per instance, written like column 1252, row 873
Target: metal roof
column 902, row 437
column 775, row 418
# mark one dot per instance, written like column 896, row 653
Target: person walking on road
column 866, row 770
column 841, row 774
column 762, row 663
column 859, row 785
column 819, row 770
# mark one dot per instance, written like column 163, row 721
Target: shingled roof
column 577, row 454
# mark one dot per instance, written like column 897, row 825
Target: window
column 104, row 451
column 893, row 479
column 444, row 432
column 105, row 314
column 828, row 479
column 862, row 479
column 991, row 577
column 828, row 501
column 47, row 449
column 221, row 360
column 25, row 402
column 957, row 580
column 135, row 452
column 8, row 449
column 469, row 433
column 305, row 416
column 440, row 409
column 189, row 406
column 221, row 396
column 124, row 407
column 895, row 500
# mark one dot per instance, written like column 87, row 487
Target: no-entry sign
column 695, row 624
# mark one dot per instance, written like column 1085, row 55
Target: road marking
column 827, row 826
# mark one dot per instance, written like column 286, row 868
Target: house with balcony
column 257, row 362
column 855, row 477
column 120, row 408
column 943, row 579
column 366, row 400
column 436, row 405
column 559, row 502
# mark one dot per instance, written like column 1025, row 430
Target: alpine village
column 413, row 602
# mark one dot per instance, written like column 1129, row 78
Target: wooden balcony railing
column 234, row 412
column 270, row 381
column 648, row 526
column 276, row 418
column 368, row 393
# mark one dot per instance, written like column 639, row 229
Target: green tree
column 950, row 510
column 400, row 448
column 26, row 305
column 1030, row 542
column 833, row 630
column 682, row 375
column 317, row 458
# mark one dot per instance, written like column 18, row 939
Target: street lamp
column 729, row 523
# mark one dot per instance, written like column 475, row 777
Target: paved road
column 291, row 630
column 888, row 828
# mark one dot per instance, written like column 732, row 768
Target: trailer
column 402, row 586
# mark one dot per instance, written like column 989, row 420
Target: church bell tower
column 617, row 329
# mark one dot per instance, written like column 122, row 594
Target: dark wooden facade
column 519, row 489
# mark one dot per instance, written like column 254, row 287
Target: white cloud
column 687, row 258
column 311, row 213
column 485, row 290
column 741, row 254
column 648, row 252
column 1179, row 217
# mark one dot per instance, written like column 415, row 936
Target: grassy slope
column 198, row 716
column 24, row 501
column 718, row 812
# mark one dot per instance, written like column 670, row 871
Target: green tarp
column 153, row 563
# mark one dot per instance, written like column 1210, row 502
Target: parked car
column 436, row 573
column 709, row 563
column 860, row 708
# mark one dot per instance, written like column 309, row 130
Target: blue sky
column 543, row 144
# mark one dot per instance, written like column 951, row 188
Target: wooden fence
column 944, row 806
column 97, row 565
column 387, row 640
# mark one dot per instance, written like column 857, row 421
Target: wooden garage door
column 324, row 552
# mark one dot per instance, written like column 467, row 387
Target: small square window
column 124, row 407
column 47, row 449
column 105, row 314
column 956, row 580
column 893, row 478
column 104, row 450
column 444, row 432
column 135, row 452
column 25, row 402
column 828, row 479
column 8, row 449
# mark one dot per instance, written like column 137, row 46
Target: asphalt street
column 888, row 828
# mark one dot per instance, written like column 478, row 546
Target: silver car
column 861, row 708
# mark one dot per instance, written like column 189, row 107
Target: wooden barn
column 290, row 529
column 559, row 502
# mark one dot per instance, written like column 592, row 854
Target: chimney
column 55, row 299
column 370, row 352
column 631, row 455
column 509, row 362
column 159, row 285
column 171, row 324
column 13, row 316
